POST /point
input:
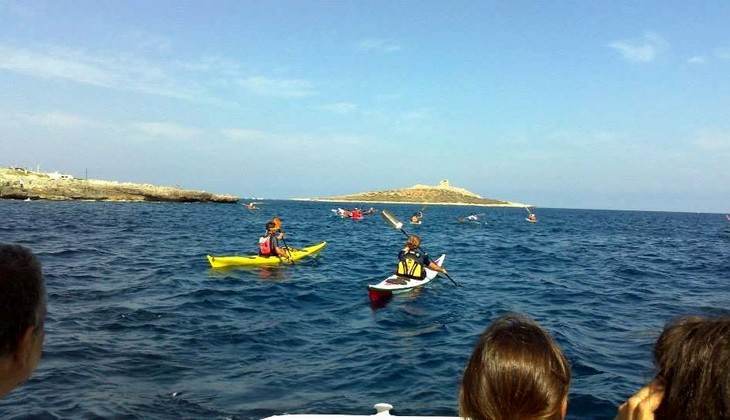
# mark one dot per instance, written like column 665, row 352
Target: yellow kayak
column 252, row 260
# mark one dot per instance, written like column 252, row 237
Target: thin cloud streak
column 341, row 107
column 122, row 72
column 697, row 59
column 60, row 120
column 378, row 45
column 644, row 50
column 166, row 130
column 285, row 88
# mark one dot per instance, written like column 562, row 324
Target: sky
column 566, row 104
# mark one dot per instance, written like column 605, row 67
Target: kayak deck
column 256, row 260
column 397, row 285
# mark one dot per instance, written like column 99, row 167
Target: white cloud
column 713, row 141
column 55, row 65
column 59, row 120
column 248, row 135
column 166, row 130
column 643, row 50
column 378, row 45
column 341, row 107
column 121, row 71
column 697, row 59
column 291, row 88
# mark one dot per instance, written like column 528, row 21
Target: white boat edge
column 383, row 286
column 382, row 411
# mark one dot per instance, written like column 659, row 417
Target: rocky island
column 443, row 193
column 24, row 184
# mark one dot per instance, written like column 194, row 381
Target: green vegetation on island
column 23, row 184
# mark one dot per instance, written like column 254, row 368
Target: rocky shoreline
column 23, row 184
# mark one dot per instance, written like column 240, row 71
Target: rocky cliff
column 20, row 183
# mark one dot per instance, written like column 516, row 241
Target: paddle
column 288, row 250
column 393, row 221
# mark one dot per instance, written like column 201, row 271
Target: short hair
column 692, row 358
column 516, row 371
column 22, row 295
column 413, row 242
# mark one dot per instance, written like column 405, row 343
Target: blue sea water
column 140, row 327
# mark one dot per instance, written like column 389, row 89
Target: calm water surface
column 140, row 327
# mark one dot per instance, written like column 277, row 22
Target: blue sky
column 573, row 104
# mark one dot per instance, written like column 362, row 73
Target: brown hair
column 22, row 295
column 413, row 242
column 516, row 371
column 692, row 357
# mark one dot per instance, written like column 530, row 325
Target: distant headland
column 443, row 193
column 24, row 184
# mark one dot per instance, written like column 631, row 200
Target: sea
column 140, row 327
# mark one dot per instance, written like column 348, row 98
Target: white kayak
column 383, row 411
column 394, row 284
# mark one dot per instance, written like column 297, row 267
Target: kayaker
column 412, row 261
column 269, row 242
column 531, row 217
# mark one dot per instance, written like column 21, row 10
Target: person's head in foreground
column 22, row 312
column 692, row 357
column 516, row 371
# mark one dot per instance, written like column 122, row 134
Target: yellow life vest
column 410, row 266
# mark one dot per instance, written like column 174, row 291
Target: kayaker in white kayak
column 269, row 242
column 412, row 261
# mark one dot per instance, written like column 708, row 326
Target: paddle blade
column 392, row 219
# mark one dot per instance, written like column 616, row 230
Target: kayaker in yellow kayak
column 269, row 242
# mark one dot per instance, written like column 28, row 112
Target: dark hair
column 516, row 371
column 22, row 295
column 692, row 357
column 270, row 225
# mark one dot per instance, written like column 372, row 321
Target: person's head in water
column 22, row 315
column 413, row 242
column 516, row 371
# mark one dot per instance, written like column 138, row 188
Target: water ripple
column 140, row 327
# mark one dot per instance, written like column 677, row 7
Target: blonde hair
column 516, row 371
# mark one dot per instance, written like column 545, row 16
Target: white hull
column 396, row 285
column 383, row 411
